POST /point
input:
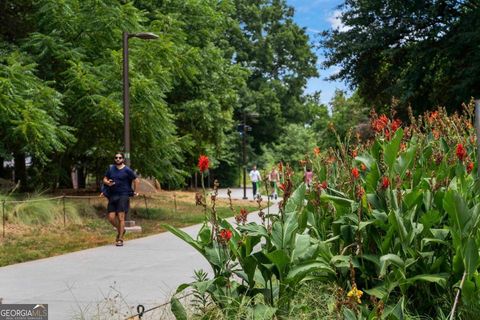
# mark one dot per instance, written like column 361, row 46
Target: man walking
column 119, row 180
column 255, row 178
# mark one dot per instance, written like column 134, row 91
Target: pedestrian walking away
column 118, row 181
column 273, row 177
column 255, row 178
column 308, row 177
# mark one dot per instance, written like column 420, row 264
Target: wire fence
column 65, row 197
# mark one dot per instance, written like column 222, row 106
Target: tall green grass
column 38, row 210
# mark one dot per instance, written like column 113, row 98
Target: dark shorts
column 118, row 204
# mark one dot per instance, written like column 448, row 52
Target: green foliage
column 280, row 59
column 292, row 145
column 420, row 52
column 395, row 238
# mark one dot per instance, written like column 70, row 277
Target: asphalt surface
column 109, row 282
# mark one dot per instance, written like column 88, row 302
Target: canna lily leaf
column 389, row 259
column 391, row 150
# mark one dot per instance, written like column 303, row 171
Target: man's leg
column 254, row 187
column 121, row 225
column 112, row 220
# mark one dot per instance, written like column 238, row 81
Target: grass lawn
column 25, row 242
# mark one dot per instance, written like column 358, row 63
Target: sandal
column 119, row 243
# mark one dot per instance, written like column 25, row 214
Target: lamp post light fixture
column 126, row 93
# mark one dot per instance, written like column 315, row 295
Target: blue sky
column 316, row 16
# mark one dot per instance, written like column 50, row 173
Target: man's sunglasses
column 118, row 158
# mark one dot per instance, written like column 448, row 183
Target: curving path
column 107, row 280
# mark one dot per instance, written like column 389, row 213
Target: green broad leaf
column 177, row 309
column 412, row 198
column 391, row 150
column 296, row 201
column 470, row 256
column 340, row 261
column 345, row 202
column 204, row 235
column 372, row 258
column 298, row 272
column 440, row 279
column 444, row 145
column 404, row 162
column 372, row 178
column 376, row 150
column 182, row 287
column 280, row 259
column 203, row 286
column 387, row 260
column 249, row 265
column 363, row 224
column 349, row 314
column 253, row 229
column 427, row 241
column 367, row 160
column 216, row 255
column 262, row 312
column 379, row 292
column 457, row 210
column 303, row 249
column 397, row 312
column 185, row 237
column 283, row 232
column 380, row 216
column 396, row 219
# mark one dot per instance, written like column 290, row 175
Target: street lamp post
column 244, row 149
column 126, row 94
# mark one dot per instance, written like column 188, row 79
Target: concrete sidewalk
column 82, row 284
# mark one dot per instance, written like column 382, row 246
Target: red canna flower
column 469, row 167
column 355, row 173
column 324, row 185
column 461, row 152
column 225, row 235
column 363, row 167
column 316, row 151
column 242, row 216
column 354, row 153
column 282, row 186
column 385, row 183
column 380, row 123
column 203, row 163
column 396, row 124
column 432, row 117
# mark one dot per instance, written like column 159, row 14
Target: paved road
column 83, row 284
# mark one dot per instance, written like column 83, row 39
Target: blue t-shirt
column 123, row 180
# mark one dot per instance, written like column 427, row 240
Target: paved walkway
column 83, row 284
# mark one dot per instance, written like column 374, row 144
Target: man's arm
column 107, row 181
column 136, row 183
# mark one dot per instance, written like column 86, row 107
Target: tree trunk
column 20, row 170
column 3, row 172
column 82, row 177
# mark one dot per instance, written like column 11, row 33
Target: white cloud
column 335, row 21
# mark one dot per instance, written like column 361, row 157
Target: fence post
column 477, row 130
column 64, row 213
column 3, row 218
column 175, row 202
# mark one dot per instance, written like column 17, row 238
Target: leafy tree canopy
column 425, row 53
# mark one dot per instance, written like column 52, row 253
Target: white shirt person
column 255, row 177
